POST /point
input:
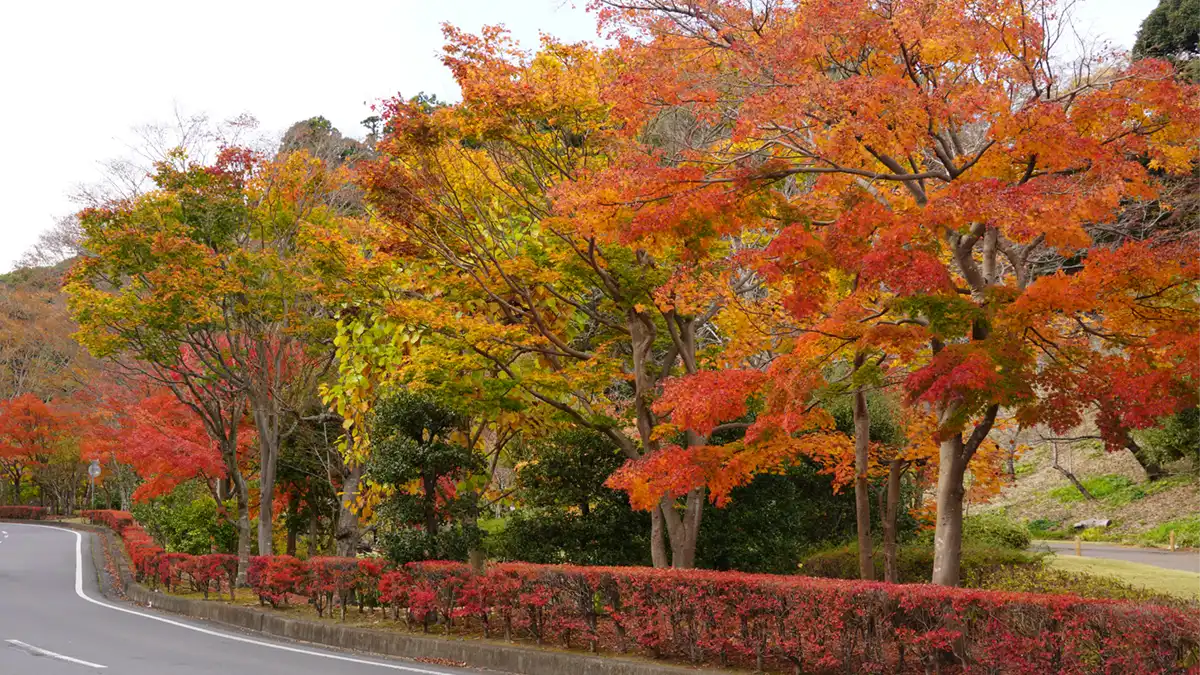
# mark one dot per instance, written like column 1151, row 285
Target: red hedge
column 792, row 623
column 23, row 512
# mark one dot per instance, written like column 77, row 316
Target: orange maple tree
column 28, row 432
column 922, row 161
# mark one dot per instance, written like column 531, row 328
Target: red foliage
column 116, row 521
column 210, row 572
column 332, row 579
column 705, row 399
column 23, row 512
column 275, row 578
column 145, row 555
column 164, row 441
column 746, row 620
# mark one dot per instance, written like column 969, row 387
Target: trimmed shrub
column 23, row 512
column 765, row 622
column 211, row 572
column 915, row 562
column 331, row 579
column 996, row 530
column 116, row 521
column 275, row 578
column 1030, row 579
column 811, row 625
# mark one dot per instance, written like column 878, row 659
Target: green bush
column 1114, row 489
column 916, row 561
column 1044, row 528
column 411, row 544
column 610, row 534
column 187, row 521
column 995, row 529
column 1038, row 579
column 1095, row 534
column 1187, row 533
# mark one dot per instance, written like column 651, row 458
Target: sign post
column 93, row 474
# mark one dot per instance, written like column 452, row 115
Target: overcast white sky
column 76, row 76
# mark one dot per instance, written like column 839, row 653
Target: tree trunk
column 947, row 535
column 293, row 508
column 266, row 517
column 862, row 495
column 242, row 495
column 1153, row 469
column 291, row 541
column 683, row 531
column 658, row 548
column 243, row 527
column 1068, row 474
column 891, row 514
column 347, row 531
column 430, row 505
column 268, row 458
column 314, row 527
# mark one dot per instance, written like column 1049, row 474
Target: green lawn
column 1175, row 582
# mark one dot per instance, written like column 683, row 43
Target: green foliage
column 610, row 534
column 411, row 544
column 772, row 523
column 1044, row 528
column 1187, row 533
column 915, row 563
column 187, row 521
column 1171, row 30
column 569, row 515
column 1095, row 534
column 414, row 440
column 881, row 410
column 1039, row 579
column 995, row 529
column 568, row 469
column 1177, row 437
column 1114, row 489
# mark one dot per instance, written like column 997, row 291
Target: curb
column 515, row 659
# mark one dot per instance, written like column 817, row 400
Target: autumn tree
column 213, row 261
column 37, row 354
column 942, row 141
column 150, row 298
column 501, row 258
column 29, row 431
column 163, row 440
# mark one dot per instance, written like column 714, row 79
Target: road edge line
column 228, row 636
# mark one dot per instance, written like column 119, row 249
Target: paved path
column 1159, row 557
column 53, row 622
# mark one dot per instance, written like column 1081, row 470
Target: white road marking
column 227, row 636
column 38, row 651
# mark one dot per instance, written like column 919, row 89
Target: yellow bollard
column 1172, row 540
column 1078, row 546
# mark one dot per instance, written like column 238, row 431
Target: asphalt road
column 1188, row 561
column 53, row 621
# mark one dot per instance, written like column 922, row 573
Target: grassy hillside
column 1142, row 511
